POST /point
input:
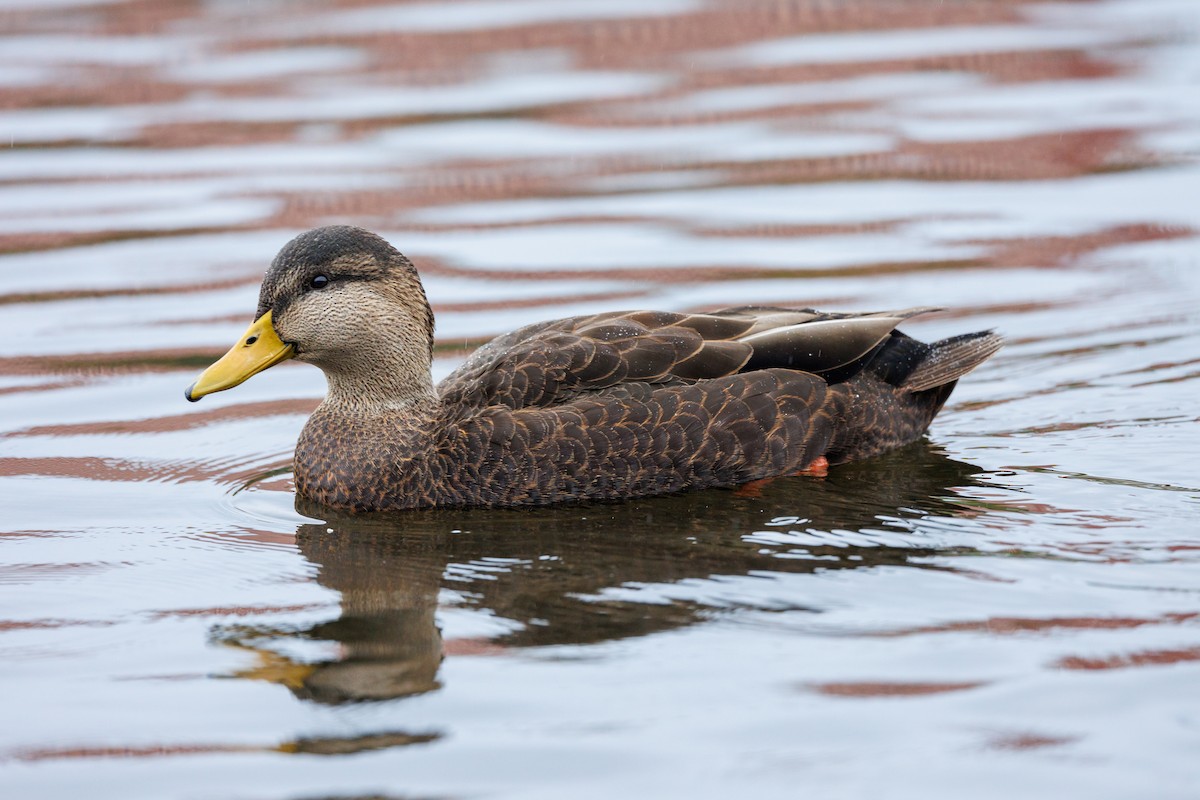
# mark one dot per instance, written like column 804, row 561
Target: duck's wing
column 552, row 362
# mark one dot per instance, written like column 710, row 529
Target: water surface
column 1012, row 605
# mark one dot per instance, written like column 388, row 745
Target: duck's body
column 605, row 407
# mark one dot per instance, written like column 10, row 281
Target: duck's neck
column 370, row 389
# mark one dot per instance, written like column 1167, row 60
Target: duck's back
column 632, row 404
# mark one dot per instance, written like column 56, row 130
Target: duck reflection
column 546, row 570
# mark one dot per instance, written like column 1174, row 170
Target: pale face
column 345, row 300
column 328, row 313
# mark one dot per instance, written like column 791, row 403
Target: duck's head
column 341, row 298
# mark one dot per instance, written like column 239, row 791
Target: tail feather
column 950, row 359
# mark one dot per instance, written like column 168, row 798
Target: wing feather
column 551, row 363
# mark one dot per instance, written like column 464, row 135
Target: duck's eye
column 319, row 281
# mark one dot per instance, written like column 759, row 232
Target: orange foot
column 819, row 468
column 753, row 488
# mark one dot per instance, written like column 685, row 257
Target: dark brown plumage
column 602, row 407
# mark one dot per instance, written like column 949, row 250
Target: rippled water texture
column 1010, row 608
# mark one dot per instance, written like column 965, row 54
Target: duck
column 599, row 407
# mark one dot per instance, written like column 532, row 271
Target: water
column 1012, row 606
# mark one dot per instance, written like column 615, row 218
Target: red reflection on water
column 882, row 689
column 1030, row 741
column 1144, row 658
column 1015, row 625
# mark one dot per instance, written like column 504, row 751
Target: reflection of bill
column 388, row 642
column 547, row 569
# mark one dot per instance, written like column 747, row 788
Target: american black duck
column 601, row 407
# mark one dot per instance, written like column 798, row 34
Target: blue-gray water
column 1010, row 607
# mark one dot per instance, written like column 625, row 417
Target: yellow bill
column 259, row 348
